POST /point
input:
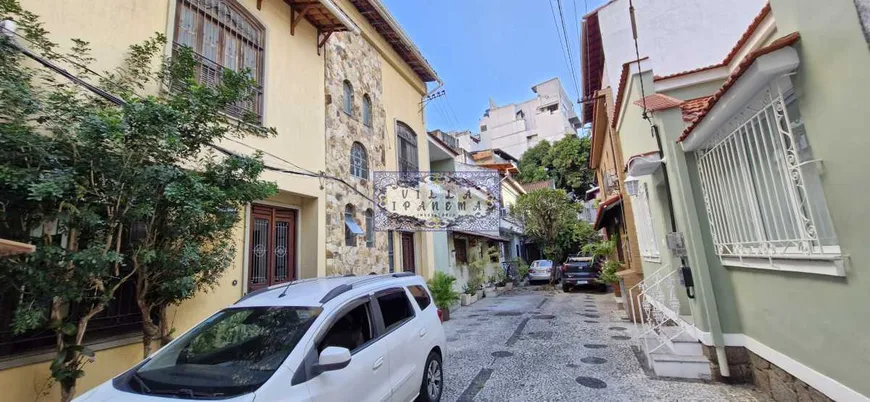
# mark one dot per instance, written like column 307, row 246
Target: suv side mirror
column 332, row 358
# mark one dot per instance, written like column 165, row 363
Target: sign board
column 437, row 201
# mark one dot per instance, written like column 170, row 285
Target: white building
column 516, row 127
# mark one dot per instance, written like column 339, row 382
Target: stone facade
column 352, row 58
column 768, row 378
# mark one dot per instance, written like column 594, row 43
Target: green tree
column 532, row 165
column 566, row 162
column 547, row 216
column 81, row 176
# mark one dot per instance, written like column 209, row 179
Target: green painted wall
column 819, row 321
column 440, row 243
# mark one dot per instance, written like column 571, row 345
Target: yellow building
column 301, row 53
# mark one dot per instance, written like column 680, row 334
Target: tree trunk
column 165, row 328
column 67, row 392
column 149, row 329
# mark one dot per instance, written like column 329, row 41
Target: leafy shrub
column 441, row 286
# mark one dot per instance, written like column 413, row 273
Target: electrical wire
column 120, row 102
column 562, row 44
column 568, row 47
column 645, row 113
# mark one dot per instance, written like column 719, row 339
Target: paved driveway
column 540, row 345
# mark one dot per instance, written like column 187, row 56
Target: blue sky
column 485, row 49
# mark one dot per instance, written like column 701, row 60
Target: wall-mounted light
column 631, row 185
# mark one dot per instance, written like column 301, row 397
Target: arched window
column 348, row 97
column 359, row 161
column 351, row 228
column 407, row 148
column 367, row 110
column 370, row 228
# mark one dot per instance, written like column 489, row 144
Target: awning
column 481, row 234
column 643, row 164
column 608, row 211
column 351, row 224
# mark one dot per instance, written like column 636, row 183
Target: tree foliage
column 550, row 218
column 111, row 194
column 566, row 162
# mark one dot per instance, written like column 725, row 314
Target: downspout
column 712, row 313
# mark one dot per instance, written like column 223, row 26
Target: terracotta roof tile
column 756, row 22
column 620, row 94
column 604, row 204
column 657, row 102
column 780, row 43
column 692, row 107
column 538, row 185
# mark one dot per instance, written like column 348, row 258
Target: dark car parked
column 578, row 271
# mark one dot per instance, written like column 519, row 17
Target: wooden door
column 272, row 246
column 408, row 260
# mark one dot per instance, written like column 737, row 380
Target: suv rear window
column 421, row 296
column 395, row 309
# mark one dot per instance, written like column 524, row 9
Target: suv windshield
column 231, row 353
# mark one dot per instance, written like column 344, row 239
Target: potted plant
column 441, row 286
column 522, row 271
column 469, row 294
column 608, row 272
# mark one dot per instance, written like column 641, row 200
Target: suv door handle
column 378, row 363
column 423, row 332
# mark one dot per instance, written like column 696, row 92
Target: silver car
column 540, row 270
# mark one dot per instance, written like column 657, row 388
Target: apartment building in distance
column 516, row 127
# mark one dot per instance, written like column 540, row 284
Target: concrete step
column 683, row 345
column 677, row 366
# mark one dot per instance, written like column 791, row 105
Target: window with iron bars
column 407, row 147
column 761, row 185
column 644, row 224
column 223, row 35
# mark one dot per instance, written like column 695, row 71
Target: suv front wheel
column 433, row 379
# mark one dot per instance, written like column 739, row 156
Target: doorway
column 408, row 257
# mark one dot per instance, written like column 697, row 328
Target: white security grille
column 646, row 236
column 760, row 184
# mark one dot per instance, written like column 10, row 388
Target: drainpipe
column 712, row 313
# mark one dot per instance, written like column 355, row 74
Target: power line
column 452, row 112
column 561, row 43
column 568, row 47
column 120, row 102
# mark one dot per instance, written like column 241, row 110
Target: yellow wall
column 294, row 105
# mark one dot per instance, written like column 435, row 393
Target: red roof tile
column 538, row 185
column 780, row 43
column 601, row 206
column 756, row 22
column 620, row 94
column 693, row 107
column 657, row 102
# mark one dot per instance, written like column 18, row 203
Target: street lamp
column 631, row 185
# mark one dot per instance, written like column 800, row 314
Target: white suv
column 371, row 338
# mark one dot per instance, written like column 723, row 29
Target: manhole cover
column 502, row 353
column 544, row 317
column 591, row 382
column 508, row 313
column 594, row 346
column 590, row 321
column 593, row 360
column 621, row 337
column 590, row 315
column 617, row 328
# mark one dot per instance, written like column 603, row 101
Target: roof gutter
column 339, row 13
column 402, row 35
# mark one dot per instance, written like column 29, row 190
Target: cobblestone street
column 535, row 345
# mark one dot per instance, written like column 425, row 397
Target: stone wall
column 768, row 378
column 351, row 57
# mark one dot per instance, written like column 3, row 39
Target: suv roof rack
column 284, row 286
column 338, row 290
